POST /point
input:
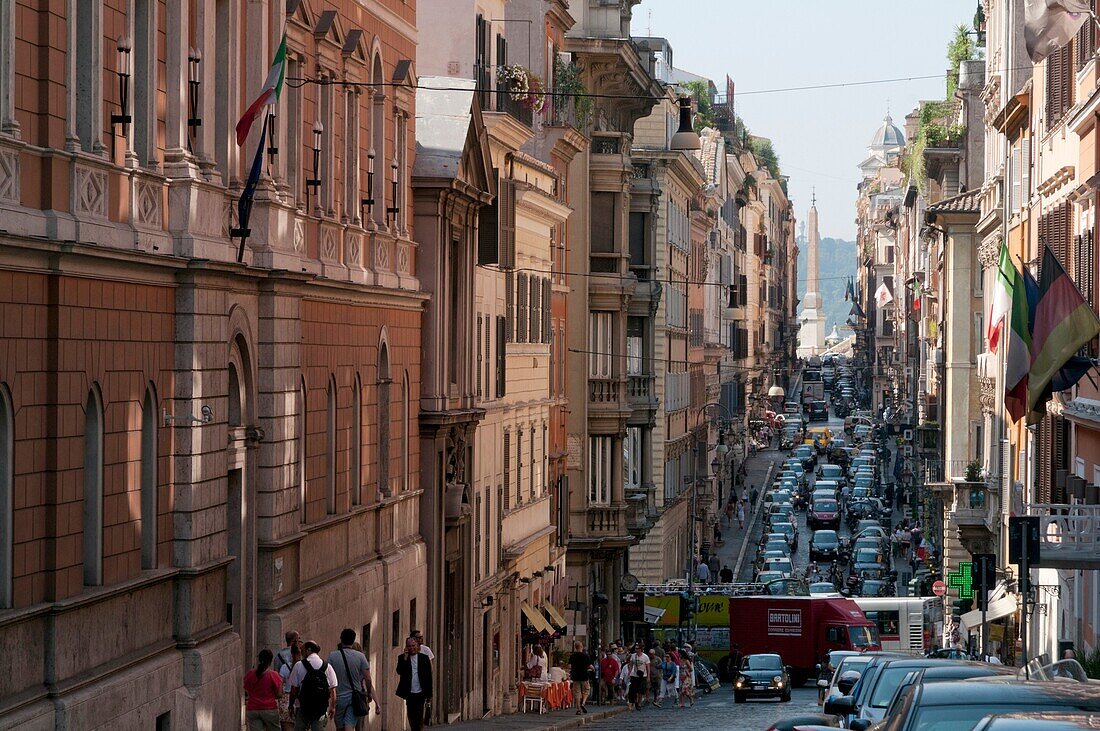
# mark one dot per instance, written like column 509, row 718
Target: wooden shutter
column 1086, row 40
column 506, row 213
column 502, row 60
column 547, row 310
column 519, row 466
column 535, row 315
column 488, row 356
column 507, row 469
column 502, row 357
column 488, row 235
column 509, row 307
column 521, row 308
column 1025, row 171
column 481, row 61
column 480, row 363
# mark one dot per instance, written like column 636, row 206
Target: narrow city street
column 715, row 711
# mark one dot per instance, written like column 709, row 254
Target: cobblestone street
column 715, row 711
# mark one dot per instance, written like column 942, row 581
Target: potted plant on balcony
column 975, row 484
column 523, row 86
column 569, row 89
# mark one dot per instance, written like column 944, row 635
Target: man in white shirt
column 638, row 663
column 703, row 572
column 419, row 637
column 303, row 719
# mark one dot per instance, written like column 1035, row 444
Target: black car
column 762, row 676
column 963, row 703
column 824, row 545
column 958, row 669
column 819, row 411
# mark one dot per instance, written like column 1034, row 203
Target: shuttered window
column 506, row 214
column 501, row 359
column 1086, row 40
column 509, row 307
column 488, row 235
column 521, row 308
column 547, row 311
column 480, row 362
column 519, row 467
column 507, row 470
column 1060, row 81
column 535, row 315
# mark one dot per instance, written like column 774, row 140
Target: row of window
column 530, row 482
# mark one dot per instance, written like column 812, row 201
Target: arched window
column 378, row 140
column 384, row 382
column 7, row 495
column 302, row 405
column 93, row 488
column 330, row 449
column 149, row 479
column 356, row 478
column 405, row 466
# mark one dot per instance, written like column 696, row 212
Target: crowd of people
column 296, row 689
column 663, row 673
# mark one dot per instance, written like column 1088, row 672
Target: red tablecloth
column 555, row 695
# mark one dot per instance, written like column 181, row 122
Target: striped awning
column 535, row 619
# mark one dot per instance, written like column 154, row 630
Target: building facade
column 218, row 447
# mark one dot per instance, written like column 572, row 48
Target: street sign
column 939, row 588
column 1023, row 531
column 983, row 577
column 961, row 580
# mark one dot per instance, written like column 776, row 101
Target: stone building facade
column 203, row 453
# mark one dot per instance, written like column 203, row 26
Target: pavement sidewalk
column 542, row 721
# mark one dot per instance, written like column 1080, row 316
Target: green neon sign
column 962, row 580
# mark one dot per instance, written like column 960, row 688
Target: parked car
column 1038, row 721
column 762, row 676
column 960, row 669
column 962, row 704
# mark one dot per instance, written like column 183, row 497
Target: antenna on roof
column 649, row 22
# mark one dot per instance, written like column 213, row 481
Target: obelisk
column 811, row 334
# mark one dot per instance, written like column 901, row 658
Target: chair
column 534, row 701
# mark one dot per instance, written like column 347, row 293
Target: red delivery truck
column 801, row 629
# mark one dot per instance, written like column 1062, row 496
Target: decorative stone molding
column 1057, row 180
column 299, row 235
column 229, row 217
column 10, row 172
column 330, row 245
column 989, row 251
column 147, row 203
column 403, row 258
column 987, row 394
column 381, row 254
column 89, row 191
column 353, row 249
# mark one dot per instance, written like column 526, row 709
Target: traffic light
column 688, row 607
column 962, row 606
column 983, row 577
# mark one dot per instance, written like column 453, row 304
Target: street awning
column 535, row 619
column 998, row 609
column 556, row 618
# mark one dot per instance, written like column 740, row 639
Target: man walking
column 414, row 682
column 726, row 574
column 580, row 672
column 609, row 672
column 638, row 663
column 423, row 646
column 312, row 690
column 282, row 657
column 353, row 676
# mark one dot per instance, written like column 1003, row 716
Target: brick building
column 200, row 454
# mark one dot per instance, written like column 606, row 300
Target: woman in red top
column 263, row 687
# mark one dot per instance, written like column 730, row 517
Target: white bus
column 905, row 624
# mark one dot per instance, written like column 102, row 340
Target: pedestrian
column 262, row 686
column 687, row 679
column 537, row 665
column 702, row 572
column 753, row 496
column 735, row 659
column 286, row 711
column 741, row 515
column 726, row 574
column 312, row 690
column 354, row 691
column 282, row 657
column 423, row 647
column 744, row 494
column 580, row 670
column 638, row 667
column 414, row 683
column 670, row 676
column 729, row 510
column 654, row 690
column 609, row 673
column 713, row 565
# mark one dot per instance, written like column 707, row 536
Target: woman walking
column 741, row 515
column 263, row 686
column 286, row 713
column 687, row 679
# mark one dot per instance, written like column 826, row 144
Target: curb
column 586, row 719
column 752, row 522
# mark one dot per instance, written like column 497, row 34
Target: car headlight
column 778, row 680
column 740, row 682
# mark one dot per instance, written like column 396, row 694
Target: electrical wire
column 662, row 281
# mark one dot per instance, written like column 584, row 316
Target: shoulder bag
column 360, row 706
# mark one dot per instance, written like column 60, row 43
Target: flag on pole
column 1064, row 323
column 269, row 94
column 883, row 296
column 1074, row 369
column 1017, row 340
column 1050, row 24
column 1001, row 305
column 244, row 204
column 849, row 291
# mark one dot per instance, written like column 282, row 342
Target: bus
column 909, row 624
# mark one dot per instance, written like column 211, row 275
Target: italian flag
column 268, row 95
column 1018, row 341
column 1001, row 305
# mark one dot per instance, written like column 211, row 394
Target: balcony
column 603, row 390
column 1069, row 535
column 516, row 110
column 642, row 398
column 976, row 515
column 607, row 407
column 605, row 522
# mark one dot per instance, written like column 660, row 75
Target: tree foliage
column 961, row 48
column 761, row 148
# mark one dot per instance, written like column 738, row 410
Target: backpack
column 313, row 693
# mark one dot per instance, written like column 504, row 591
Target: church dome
column 888, row 135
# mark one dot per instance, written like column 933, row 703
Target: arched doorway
column 240, row 591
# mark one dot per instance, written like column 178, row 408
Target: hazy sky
column 820, row 135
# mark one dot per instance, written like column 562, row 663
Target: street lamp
column 194, row 120
column 123, row 117
column 686, row 138
column 315, row 182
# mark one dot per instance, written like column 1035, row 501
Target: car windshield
column 863, row 636
column 825, row 506
column 950, row 718
column 888, row 682
column 825, row 537
column 763, row 662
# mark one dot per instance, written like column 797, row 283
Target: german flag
column 1064, row 323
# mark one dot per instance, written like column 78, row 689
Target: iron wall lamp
column 393, row 210
column 194, row 120
column 123, row 117
column 314, row 183
column 368, row 202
